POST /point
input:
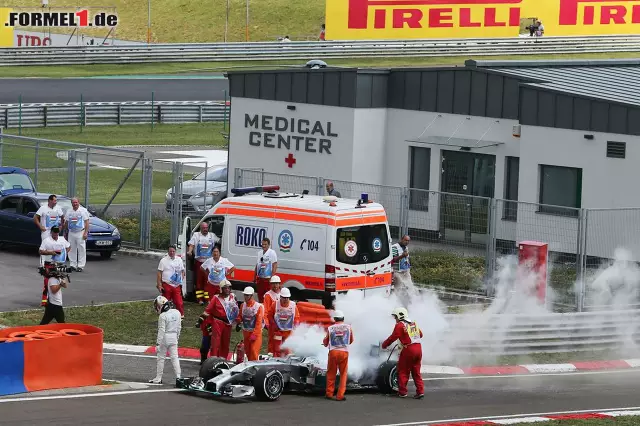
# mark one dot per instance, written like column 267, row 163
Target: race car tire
column 268, row 384
column 387, row 380
column 212, row 367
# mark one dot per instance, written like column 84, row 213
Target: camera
column 55, row 270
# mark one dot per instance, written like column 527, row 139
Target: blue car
column 18, row 206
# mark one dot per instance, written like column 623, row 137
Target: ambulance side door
column 242, row 242
column 301, row 250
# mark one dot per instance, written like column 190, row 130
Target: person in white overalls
column 77, row 224
column 169, row 327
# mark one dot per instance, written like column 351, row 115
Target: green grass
column 199, row 21
column 103, row 182
column 192, row 67
column 133, row 323
column 205, row 134
column 129, row 227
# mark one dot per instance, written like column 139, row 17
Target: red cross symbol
column 290, row 161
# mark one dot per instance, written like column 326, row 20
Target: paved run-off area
column 446, row 398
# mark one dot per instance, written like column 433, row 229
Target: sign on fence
column 412, row 19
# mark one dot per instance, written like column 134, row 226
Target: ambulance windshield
column 362, row 244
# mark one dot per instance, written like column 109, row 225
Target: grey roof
column 615, row 81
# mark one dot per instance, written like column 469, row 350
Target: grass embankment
column 103, row 182
column 200, row 67
column 135, row 323
column 199, row 21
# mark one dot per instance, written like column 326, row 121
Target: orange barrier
column 28, row 353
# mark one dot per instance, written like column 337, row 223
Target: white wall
column 606, row 183
column 369, row 140
column 338, row 162
column 436, row 129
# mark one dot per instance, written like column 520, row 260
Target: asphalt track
column 118, row 279
column 45, row 90
column 447, row 398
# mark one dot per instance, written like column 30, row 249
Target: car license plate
column 104, row 243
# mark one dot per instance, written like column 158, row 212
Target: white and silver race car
column 268, row 378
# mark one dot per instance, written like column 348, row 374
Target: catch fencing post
column 176, row 216
column 86, row 178
column 20, row 115
column 581, row 258
column 146, row 200
column 490, row 258
column 1, row 143
column 35, row 173
column 81, row 114
column 71, row 173
column 152, row 110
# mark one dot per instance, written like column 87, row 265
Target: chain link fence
column 458, row 240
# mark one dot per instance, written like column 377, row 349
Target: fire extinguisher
column 240, row 352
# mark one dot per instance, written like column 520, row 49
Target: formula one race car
column 268, row 378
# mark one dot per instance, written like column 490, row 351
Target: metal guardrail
column 504, row 334
column 305, row 50
column 111, row 113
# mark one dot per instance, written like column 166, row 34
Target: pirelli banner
column 415, row 19
column 6, row 32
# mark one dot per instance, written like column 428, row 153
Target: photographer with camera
column 56, row 278
column 54, row 249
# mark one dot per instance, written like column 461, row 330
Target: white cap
column 285, row 292
column 275, row 279
column 338, row 314
column 224, row 283
column 248, row 291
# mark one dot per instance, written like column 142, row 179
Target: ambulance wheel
column 268, row 384
column 387, row 380
column 212, row 367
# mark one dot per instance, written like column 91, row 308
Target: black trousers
column 52, row 311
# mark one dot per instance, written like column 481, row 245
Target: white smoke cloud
column 458, row 338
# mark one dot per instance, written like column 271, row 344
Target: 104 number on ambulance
column 309, row 244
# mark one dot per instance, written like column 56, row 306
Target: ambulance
column 324, row 245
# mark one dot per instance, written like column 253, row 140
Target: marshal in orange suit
column 338, row 338
column 251, row 320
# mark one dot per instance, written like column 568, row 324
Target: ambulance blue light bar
column 249, row 189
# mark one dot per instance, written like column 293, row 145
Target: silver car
column 198, row 197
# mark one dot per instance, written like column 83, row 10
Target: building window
column 560, row 186
column 512, row 172
column 420, row 160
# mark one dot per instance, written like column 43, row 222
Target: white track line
column 515, row 416
column 86, row 395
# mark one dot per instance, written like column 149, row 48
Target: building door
column 466, row 178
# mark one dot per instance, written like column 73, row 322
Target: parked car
column 16, row 221
column 14, row 180
column 194, row 199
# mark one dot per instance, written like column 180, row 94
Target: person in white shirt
column 266, row 266
column 169, row 327
column 53, row 249
column 55, row 284
column 401, row 268
column 202, row 244
column 170, row 278
column 76, row 222
column 48, row 216
column 218, row 268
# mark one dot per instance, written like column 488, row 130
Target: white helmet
column 159, row 303
column 285, row 292
column 401, row 314
column 224, row 283
column 249, row 291
column 275, row 279
column 338, row 315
